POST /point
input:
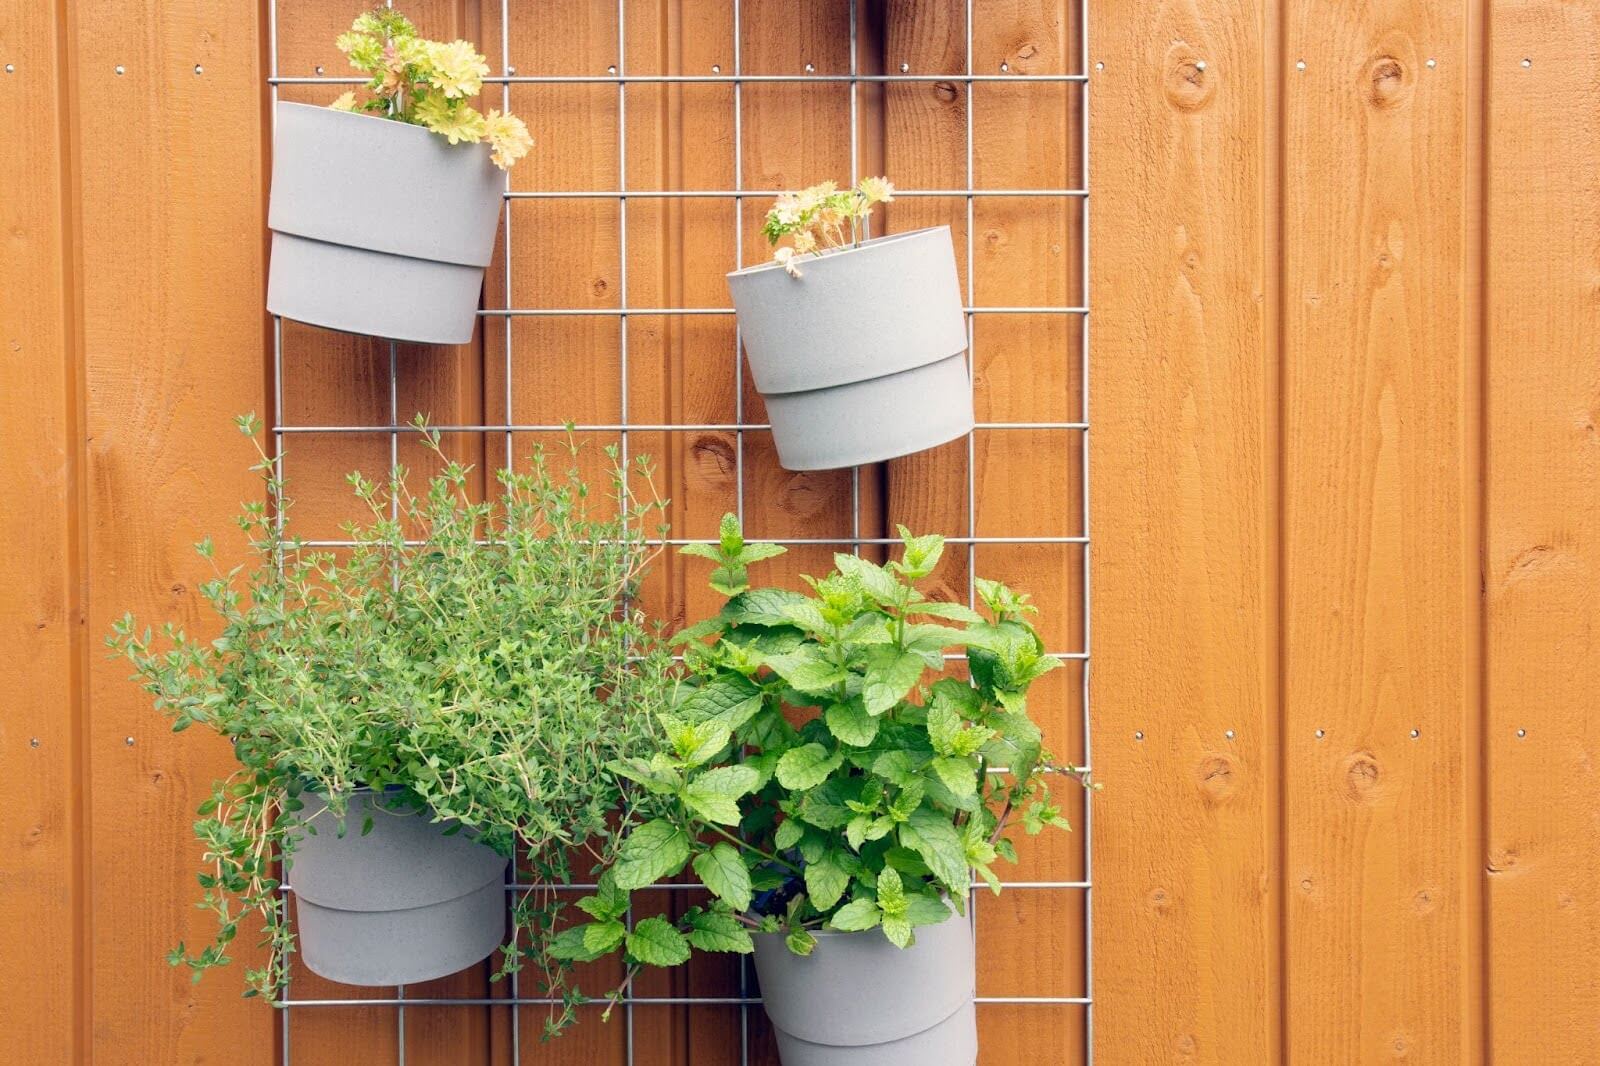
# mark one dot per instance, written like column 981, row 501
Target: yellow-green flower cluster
column 427, row 83
column 822, row 218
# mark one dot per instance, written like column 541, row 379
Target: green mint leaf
column 808, row 669
column 944, row 726
column 933, row 836
column 569, row 945
column 601, row 937
column 710, row 931
column 851, row 723
column 714, row 795
column 855, row 916
column 960, row 775
column 806, row 766
column 755, row 553
column 723, row 871
column 638, row 770
column 878, row 583
column 607, row 902
column 898, row 930
column 655, row 850
column 890, row 674
column 730, row 535
column 954, row 612
column 921, row 555
column 696, row 742
column 1016, row 744
column 656, row 942
column 729, row 698
column 891, row 893
column 762, row 607
column 788, row 835
column 927, row 910
column 826, row 881
column 799, row 941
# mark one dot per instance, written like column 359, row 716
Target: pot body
column 379, row 227
column 402, row 904
column 857, row 1000
column 861, row 358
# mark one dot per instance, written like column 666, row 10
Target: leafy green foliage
column 478, row 659
column 872, row 813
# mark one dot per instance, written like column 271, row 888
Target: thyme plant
column 427, row 83
column 478, row 659
column 823, row 218
column 870, row 813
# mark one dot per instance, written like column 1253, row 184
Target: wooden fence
column 1345, row 467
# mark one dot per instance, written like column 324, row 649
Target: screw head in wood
column 811, row 68
column 1431, row 63
column 1100, row 66
column 11, row 68
column 1199, row 64
column 1004, row 67
column 198, row 69
column 1321, row 733
column 1527, row 63
column 1300, row 65
column 120, row 70
column 1228, row 734
column 612, row 69
column 128, row 741
column 716, row 68
column 33, row 742
column 1415, row 733
column 1138, row 735
column 905, row 68
column 1522, row 732
column 319, row 71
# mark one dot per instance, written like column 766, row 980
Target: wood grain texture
column 1542, row 556
column 170, row 175
column 1183, row 517
column 1380, row 538
column 41, row 607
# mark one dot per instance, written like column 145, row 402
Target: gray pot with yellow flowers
column 385, row 204
column 857, row 344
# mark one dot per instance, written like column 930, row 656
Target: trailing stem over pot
column 866, row 816
column 855, row 343
column 478, row 661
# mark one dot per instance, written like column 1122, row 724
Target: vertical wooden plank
column 1542, row 557
column 1380, row 536
column 167, row 102
column 41, row 611
column 1183, row 407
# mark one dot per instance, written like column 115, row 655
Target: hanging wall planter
column 379, row 227
column 396, row 905
column 861, row 357
column 857, row 1000
column 385, row 203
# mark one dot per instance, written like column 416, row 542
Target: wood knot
column 1189, row 85
column 946, row 92
column 1159, row 900
column 1423, row 901
column 1361, row 777
column 599, row 287
column 713, row 457
column 1388, row 82
column 1216, row 777
column 1503, row 860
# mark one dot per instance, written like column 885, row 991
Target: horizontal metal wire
column 673, row 542
column 621, row 427
column 710, row 79
column 568, row 312
column 638, row 1001
column 692, row 887
column 742, row 194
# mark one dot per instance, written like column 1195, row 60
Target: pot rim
column 833, row 253
column 421, row 131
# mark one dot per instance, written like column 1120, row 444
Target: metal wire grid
column 286, row 1003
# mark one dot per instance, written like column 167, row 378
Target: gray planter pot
column 857, row 1000
column 379, row 227
column 861, row 358
column 405, row 903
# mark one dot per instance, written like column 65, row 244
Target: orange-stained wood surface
column 1344, row 389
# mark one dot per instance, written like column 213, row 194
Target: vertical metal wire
column 738, row 411
column 510, row 461
column 1088, row 545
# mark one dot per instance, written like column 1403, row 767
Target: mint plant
column 871, row 813
column 479, row 659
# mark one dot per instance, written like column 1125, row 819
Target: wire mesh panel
column 663, row 130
